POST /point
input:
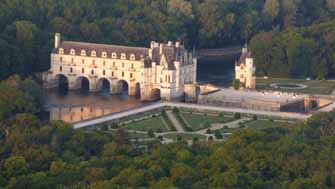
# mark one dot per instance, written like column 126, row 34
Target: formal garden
column 305, row 86
column 157, row 126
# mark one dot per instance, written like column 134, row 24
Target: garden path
column 175, row 122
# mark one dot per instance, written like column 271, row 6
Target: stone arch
column 155, row 94
column 103, row 84
column 63, row 82
column 83, row 83
column 123, row 87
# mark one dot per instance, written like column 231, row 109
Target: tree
column 15, row 166
column 236, row 84
column 271, row 9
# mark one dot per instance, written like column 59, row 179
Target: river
column 76, row 106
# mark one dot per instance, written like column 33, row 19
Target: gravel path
column 175, row 122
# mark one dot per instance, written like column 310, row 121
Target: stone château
column 166, row 71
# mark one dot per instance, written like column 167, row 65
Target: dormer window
column 113, row 55
column 61, row 51
column 123, row 56
column 132, row 57
column 72, row 52
column 104, row 54
column 83, row 53
column 93, row 53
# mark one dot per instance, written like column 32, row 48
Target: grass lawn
column 197, row 122
column 155, row 124
column 185, row 136
column 263, row 124
column 313, row 86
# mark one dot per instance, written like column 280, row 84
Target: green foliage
column 237, row 84
column 27, row 27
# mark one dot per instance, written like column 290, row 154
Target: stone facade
column 163, row 70
column 245, row 70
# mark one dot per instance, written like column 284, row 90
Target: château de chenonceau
column 166, row 71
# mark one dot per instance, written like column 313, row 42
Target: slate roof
column 139, row 52
column 243, row 58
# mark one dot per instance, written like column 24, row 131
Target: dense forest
column 36, row 154
column 289, row 37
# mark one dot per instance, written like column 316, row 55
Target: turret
column 57, row 40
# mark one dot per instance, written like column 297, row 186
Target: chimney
column 57, row 40
column 177, row 44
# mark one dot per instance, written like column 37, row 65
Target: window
column 242, row 76
column 83, row 61
column 82, row 70
column 93, row 62
column 161, row 80
column 104, row 63
column 122, row 65
column 112, row 74
column 123, row 56
column 60, row 68
column 72, row 60
column 113, row 64
column 132, row 66
column 60, row 59
column 93, row 53
column 132, row 57
column 131, row 75
column 103, row 72
column 71, row 70
column 92, row 72
column 61, row 51
column 104, row 54
column 122, row 74
column 113, row 55
column 72, row 52
column 83, row 53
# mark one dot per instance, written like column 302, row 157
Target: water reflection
column 77, row 106
column 217, row 70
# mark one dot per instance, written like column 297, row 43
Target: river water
column 75, row 106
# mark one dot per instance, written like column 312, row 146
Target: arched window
column 92, row 72
column 112, row 74
column 61, row 51
column 122, row 64
column 103, row 72
column 71, row 70
column 83, row 61
column 83, row 53
column 60, row 68
column 122, row 74
column 132, row 66
column 104, row 63
column 94, row 53
column 123, row 56
column 113, row 64
column 72, row 52
column 131, row 75
column 72, row 60
column 82, row 70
